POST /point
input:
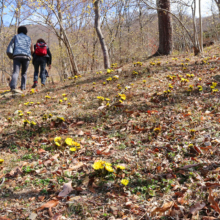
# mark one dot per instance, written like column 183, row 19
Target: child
column 41, row 58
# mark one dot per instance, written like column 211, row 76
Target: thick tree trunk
column 165, row 28
column 100, row 35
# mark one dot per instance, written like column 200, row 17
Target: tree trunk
column 165, row 28
column 100, row 35
column 218, row 5
column 201, row 28
column 63, row 64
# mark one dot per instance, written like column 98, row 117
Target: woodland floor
column 168, row 142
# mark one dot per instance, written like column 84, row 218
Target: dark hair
column 41, row 40
column 22, row 29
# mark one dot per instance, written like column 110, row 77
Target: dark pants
column 40, row 62
column 17, row 64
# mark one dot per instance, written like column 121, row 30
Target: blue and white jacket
column 22, row 45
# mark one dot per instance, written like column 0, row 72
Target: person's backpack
column 41, row 49
column 10, row 48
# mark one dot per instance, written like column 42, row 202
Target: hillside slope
column 128, row 144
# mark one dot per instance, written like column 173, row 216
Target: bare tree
column 100, row 35
column 165, row 28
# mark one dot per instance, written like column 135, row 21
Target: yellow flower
column 1, row 161
column 32, row 91
column 200, row 79
column 72, row 149
column 157, row 129
column 22, row 95
column 144, row 81
column 98, row 165
column 100, row 98
column 109, row 71
column 215, row 90
column 65, row 99
column 57, row 139
column 109, row 168
column 38, row 103
column 21, row 114
column 104, row 83
column 120, row 167
column 26, row 121
column 60, row 101
column 69, row 141
column 192, row 130
column 31, row 103
column 108, row 104
column 19, row 111
column 199, row 87
column 61, row 118
column 33, row 123
column 107, row 99
column 74, row 143
column 94, row 83
column 124, row 182
column 47, row 97
column 122, row 96
column 58, row 144
column 44, row 117
column 50, row 115
column 107, row 164
column 28, row 113
column 64, row 95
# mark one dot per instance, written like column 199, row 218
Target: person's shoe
column 35, row 85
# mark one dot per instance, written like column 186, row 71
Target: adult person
column 23, row 49
column 41, row 57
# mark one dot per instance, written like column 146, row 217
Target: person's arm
column 50, row 58
column 32, row 49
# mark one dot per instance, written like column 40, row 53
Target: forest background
column 129, row 27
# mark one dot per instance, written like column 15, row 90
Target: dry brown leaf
column 212, row 185
column 67, row 188
column 195, row 208
column 41, row 151
column 75, row 167
column 56, row 216
column 213, row 203
column 81, row 133
column 52, row 203
column 208, row 218
column 162, row 209
column 15, row 172
column 4, row 218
